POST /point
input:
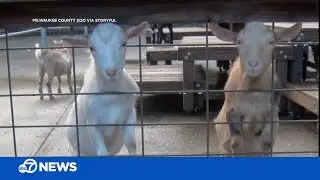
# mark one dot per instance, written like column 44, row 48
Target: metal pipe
column 85, row 30
column 43, row 37
column 30, row 31
column 20, row 32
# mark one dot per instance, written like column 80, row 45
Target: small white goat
column 106, row 72
column 54, row 63
column 251, row 71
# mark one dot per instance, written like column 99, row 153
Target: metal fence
column 142, row 92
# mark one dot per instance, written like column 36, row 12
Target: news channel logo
column 30, row 166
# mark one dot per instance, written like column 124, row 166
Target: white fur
column 54, row 63
column 108, row 52
column 37, row 52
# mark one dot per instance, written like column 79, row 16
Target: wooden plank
column 162, row 77
column 225, row 51
column 159, row 73
column 307, row 99
column 157, row 78
column 309, row 32
column 202, row 40
column 162, row 53
column 305, row 25
column 161, row 11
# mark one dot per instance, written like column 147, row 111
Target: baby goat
column 54, row 63
column 106, row 73
column 251, row 71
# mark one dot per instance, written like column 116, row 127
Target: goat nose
column 111, row 72
column 253, row 63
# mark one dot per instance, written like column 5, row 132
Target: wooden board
column 194, row 47
column 305, row 25
column 307, row 99
column 157, row 78
column 162, row 77
column 160, row 73
column 309, row 32
column 221, row 50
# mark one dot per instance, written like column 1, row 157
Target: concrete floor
column 158, row 140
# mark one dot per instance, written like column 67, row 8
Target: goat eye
column 124, row 44
column 239, row 42
column 91, row 48
column 258, row 133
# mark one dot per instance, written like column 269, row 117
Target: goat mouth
column 112, row 79
column 253, row 72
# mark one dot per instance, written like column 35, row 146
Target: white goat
column 251, row 71
column 54, row 63
column 106, row 73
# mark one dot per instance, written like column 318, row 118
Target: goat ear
column 288, row 34
column 76, row 39
column 222, row 33
column 139, row 30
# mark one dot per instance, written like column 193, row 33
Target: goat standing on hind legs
column 106, row 73
column 251, row 71
column 54, row 63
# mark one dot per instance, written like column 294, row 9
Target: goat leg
column 69, row 81
column 170, row 27
column 59, row 84
column 129, row 134
column 41, row 75
column 270, row 131
column 49, row 83
column 98, row 139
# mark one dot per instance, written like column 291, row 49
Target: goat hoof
column 51, row 97
column 41, row 97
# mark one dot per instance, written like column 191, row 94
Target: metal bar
column 141, row 95
column 272, row 98
column 75, row 99
column 153, row 124
column 43, row 37
column 20, row 32
column 166, row 92
column 207, row 92
column 85, row 29
column 30, row 31
column 170, row 45
column 10, row 96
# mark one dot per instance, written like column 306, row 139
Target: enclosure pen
column 194, row 132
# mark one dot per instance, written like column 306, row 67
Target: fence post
column 85, row 30
column 43, row 37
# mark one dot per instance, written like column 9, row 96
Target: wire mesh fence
column 207, row 122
